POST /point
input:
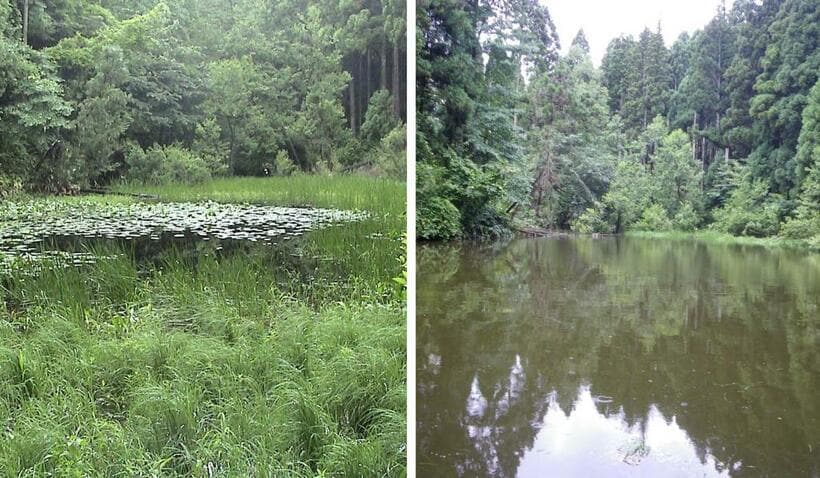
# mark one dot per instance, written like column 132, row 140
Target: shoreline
column 707, row 236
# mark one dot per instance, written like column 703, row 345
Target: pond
column 617, row 357
column 70, row 230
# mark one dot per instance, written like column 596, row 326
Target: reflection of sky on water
column 587, row 443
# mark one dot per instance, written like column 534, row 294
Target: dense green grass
column 724, row 238
column 215, row 365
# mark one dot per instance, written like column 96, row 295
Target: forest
column 146, row 91
column 719, row 131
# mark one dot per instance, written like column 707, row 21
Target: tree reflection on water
column 617, row 357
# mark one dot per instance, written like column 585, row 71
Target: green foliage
column 95, row 77
column 32, row 113
column 283, row 165
column 165, row 164
column 100, row 127
column 677, row 176
column 637, row 75
column 591, row 221
column 749, row 211
column 436, row 216
column 574, row 143
column 596, row 150
column 653, row 218
column 379, row 119
column 790, row 69
column 208, row 145
column 391, row 155
column 805, row 224
column 467, row 136
column 628, row 196
column 686, row 219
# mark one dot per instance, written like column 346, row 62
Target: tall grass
column 231, row 365
column 342, row 192
column 354, row 259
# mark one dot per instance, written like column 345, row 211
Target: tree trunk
column 232, row 148
column 351, row 90
column 703, row 157
column 396, row 82
column 363, row 94
column 694, row 140
column 368, row 87
column 544, row 181
column 383, row 70
column 25, row 22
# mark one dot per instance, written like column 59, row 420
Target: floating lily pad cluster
column 26, row 225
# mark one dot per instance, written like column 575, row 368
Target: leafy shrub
column 283, row 165
column 9, row 186
column 749, row 211
column 686, row 219
column 165, row 164
column 182, row 166
column 806, row 222
column 801, row 227
column 437, row 218
column 209, row 146
column 591, row 220
column 654, row 218
column 391, row 155
column 379, row 120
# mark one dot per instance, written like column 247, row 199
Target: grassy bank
column 343, row 192
column 255, row 363
column 724, row 238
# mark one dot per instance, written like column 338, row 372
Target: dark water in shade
column 617, row 357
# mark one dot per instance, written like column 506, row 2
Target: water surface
column 617, row 357
column 72, row 230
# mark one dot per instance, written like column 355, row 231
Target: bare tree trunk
column 396, row 79
column 517, row 87
column 351, row 90
column 703, row 154
column 383, row 69
column 232, row 146
column 364, row 96
column 694, row 140
column 25, row 22
column 368, row 87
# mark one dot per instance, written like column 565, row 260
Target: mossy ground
column 220, row 365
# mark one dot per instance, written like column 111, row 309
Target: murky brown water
column 617, row 357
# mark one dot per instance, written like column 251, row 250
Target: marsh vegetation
column 169, row 352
